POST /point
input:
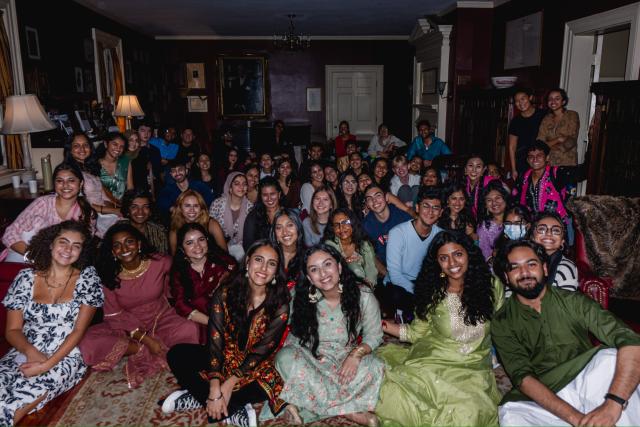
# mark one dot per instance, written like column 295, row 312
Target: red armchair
column 597, row 288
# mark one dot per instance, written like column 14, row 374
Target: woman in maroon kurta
column 138, row 320
column 196, row 273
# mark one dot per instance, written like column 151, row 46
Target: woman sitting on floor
column 66, row 204
column 445, row 377
column 190, row 207
column 247, row 318
column 326, row 372
column 137, row 209
column 288, row 234
column 457, row 216
column 49, row 308
column 138, row 320
column 322, row 203
column 198, row 269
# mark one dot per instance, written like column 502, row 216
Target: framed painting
column 523, row 42
column 243, row 86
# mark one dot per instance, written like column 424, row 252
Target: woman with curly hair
column 49, row 308
column 445, row 377
column 138, row 320
column 191, row 207
column 258, row 224
column 456, row 215
column 493, row 204
column 326, row 362
column 345, row 233
column 67, row 203
column 197, row 270
column 247, row 318
column 347, row 195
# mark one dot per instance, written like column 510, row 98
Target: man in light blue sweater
column 407, row 246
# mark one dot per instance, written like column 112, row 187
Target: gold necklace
column 50, row 287
column 136, row 270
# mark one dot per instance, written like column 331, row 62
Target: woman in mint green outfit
column 445, row 377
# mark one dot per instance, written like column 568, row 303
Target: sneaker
column 180, row 400
column 244, row 417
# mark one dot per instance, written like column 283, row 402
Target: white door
column 354, row 94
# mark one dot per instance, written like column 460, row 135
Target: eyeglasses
column 553, row 230
column 343, row 223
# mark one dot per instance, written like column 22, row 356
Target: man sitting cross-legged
column 541, row 335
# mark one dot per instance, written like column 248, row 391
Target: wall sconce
column 128, row 107
column 24, row 115
column 442, row 86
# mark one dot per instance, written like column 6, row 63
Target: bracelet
column 132, row 333
column 101, row 208
column 215, row 399
column 403, row 333
column 617, row 399
column 358, row 352
column 142, row 337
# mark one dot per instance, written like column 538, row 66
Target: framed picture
column 33, row 43
column 429, row 81
column 79, row 79
column 523, row 41
column 197, row 104
column 243, row 86
column 314, row 99
column 195, row 76
column 87, row 45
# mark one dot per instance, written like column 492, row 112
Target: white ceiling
column 265, row 17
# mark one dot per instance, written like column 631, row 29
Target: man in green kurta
column 541, row 335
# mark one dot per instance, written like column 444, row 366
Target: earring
column 313, row 295
column 340, row 287
column 442, row 275
column 273, row 282
column 246, row 274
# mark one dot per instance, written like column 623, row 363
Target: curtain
column 12, row 142
column 118, row 88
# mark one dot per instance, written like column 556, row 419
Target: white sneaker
column 169, row 404
column 180, row 400
column 244, row 417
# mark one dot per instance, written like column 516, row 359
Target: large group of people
column 254, row 280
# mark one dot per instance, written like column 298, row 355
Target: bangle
column 101, row 207
column 620, row 401
column 132, row 333
column 142, row 337
column 216, row 398
column 403, row 333
column 191, row 314
column 358, row 352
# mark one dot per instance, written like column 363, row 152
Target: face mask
column 515, row 231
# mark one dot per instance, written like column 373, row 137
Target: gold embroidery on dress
column 462, row 333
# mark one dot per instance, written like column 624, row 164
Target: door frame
column 330, row 69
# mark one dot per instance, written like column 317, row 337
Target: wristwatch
column 617, row 399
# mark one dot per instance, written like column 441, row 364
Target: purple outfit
column 488, row 237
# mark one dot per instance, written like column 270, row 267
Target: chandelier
column 290, row 40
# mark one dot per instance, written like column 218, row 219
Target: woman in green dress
column 445, row 376
column 115, row 174
column 327, row 370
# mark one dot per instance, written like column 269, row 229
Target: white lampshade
column 24, row 114
column 128, row 106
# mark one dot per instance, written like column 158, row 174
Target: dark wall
column 291, row 73
column 555, row 15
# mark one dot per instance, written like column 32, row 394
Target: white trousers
column 585, row 393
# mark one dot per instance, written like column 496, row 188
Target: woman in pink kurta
column 138, row 321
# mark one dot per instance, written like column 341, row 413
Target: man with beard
column 541, row 335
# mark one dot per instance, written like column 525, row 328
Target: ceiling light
column 290, row 40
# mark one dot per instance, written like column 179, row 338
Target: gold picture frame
column 243, row 86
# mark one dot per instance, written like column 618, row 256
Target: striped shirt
column 566, row 275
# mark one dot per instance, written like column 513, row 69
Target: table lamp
column 128, row 107
column 24, row 115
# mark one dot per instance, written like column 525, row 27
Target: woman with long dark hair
column 493, row 204
column 347, row 195
column 286, row 176
column 456, row 215
column 247, row 318
column 445, row 377
column 316, row 180
column 345, row 233
column 138, row 320
column 49, row 307
column 201, row 171
column 382, row 173
column 66, row 204
column 475, row 179
column 322, row 203
column 334, row 329
column 140, row 162
column 288, row 234
column 138, row 210
column 116, row 173
column 258, row 223
column 197, row 270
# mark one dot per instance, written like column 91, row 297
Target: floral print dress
column 46, row 326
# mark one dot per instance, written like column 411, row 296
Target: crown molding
column 472, row 4
column 239, row 38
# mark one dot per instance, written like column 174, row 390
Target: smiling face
column 474, row 168
column 115, row 148
column 344, row 129
column 375, row 200
column 80, row 148
column 140, row 210
column 415, row 165
column 526, row 273
column 383, row 132
column 134, row 142
column 401, row 168
column 253, row 176
column 381, row 170
column 284, row 170
column 67, row 186
column 550, row 234
column 455, row 202
column 190, row 209
column 270, row 197
column 342, row 227
column 286, row 232
column 364, row 181
column 429, row 211
column 125, row 247
column 178, row 173
column 204, row 162
column 67, row 247
column 331, row 175
column 317, row 174
column 492, row 170
column 315, row 153
column 266, row 162
column 238, row 186
column 195, row 245
column 349, row 185
column 262, row 266
column 430, row 177
column 424, row 131
column 232, row 157
column 495, row 203
column 355, row 161
column 554, row 101
column 323, row 271
column 321, row 202
column 453, row 260
column 537, row 160
column 522, row 101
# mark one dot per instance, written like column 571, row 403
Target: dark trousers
column 394, row 298
column 187, row 360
